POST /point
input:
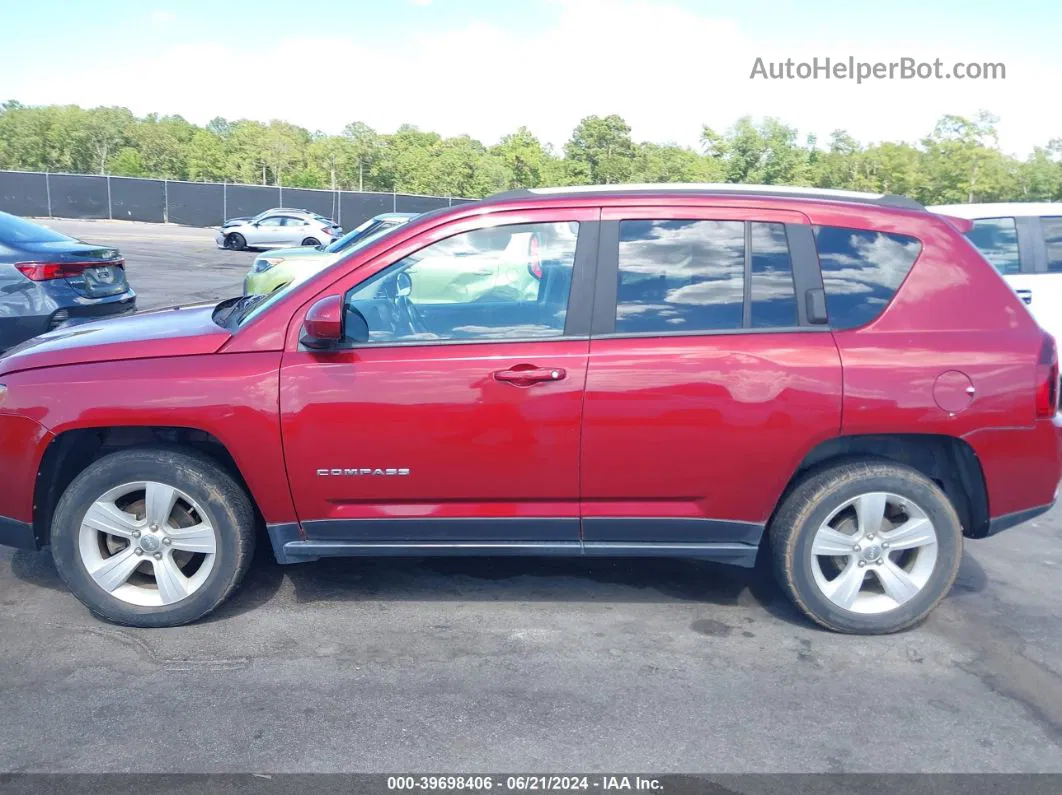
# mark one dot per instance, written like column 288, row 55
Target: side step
column 289, row 548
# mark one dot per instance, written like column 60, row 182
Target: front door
column 265, row 232
column 707, row 382
column 457, row 423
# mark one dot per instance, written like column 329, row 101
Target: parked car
column 837, row 380
column 273, row 210
column 50, row 281
column 1023, row 241
column 280, row 267
column 279, row 229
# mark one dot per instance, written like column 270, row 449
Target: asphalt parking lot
column 534, row 665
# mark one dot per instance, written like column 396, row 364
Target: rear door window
column 677, row 276
column 861, row 271
column 1052, row 226
column 997, row 240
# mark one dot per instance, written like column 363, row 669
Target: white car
column 1023, row 241
column 280, row 229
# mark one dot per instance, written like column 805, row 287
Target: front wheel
column 153, row 537
column 234, row 241
column 866, row 547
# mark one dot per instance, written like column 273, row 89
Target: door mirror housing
column 403, row 285
column 322, row 328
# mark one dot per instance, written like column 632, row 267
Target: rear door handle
column 1025, row 295
column 525, row 375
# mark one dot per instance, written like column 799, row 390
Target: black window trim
column 802, row 254
column 580, row 297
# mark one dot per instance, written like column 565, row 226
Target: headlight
column 262, row 264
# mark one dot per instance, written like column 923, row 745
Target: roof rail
column 715, row 189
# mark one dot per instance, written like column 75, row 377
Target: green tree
column 962, row 161
column 766, row 154
column 528, row 163
column 668, row 163
column 206, row 157
column 362, row 151
column 601, row 151
column 101, row 133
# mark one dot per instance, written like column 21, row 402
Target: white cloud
column 160, row 17
column 665, row 69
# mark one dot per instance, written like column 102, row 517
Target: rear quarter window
column 861, row 271
column 997, row 240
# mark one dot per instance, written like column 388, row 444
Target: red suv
column 697, row 371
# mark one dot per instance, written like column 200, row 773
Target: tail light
column 534, row 258
column 46, row 271
column 1047, row 379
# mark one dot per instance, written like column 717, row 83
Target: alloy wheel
column 147, row 543
column 874, row 553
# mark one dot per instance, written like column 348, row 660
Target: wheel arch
column 71, row 451
column 948, row 461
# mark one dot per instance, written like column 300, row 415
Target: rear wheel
column 234, row 241
column 152, row 537
column 866, row 547
column 311, row 241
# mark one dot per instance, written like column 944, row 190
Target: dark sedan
column 49, row 280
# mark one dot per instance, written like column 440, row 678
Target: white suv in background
column 1023, row 241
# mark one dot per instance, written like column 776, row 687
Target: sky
column 486, row 67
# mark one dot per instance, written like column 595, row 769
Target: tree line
column 959, row 160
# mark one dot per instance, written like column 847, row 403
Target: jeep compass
column 837, row 383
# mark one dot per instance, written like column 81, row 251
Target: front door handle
column 525, row 375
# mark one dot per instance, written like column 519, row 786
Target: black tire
column 810, row 504
column 311, row 241
column 226, row 504
column 234, row 241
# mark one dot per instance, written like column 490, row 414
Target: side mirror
column 403, row 285
column 322, row 329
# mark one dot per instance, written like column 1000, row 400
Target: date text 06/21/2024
column 544, row 783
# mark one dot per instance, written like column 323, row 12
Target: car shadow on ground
column 502, row 579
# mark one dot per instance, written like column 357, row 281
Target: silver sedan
column 280, row 229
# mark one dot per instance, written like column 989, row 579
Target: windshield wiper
column 227, row 309
column 242, row 308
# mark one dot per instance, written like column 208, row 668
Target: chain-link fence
column 37, row 194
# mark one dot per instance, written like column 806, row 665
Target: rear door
column 707, row 381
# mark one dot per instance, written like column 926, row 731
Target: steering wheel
column 406, row 309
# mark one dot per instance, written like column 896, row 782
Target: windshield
column 349, row 237
column 371, row 228
column 17, row 230
column 253, row 308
